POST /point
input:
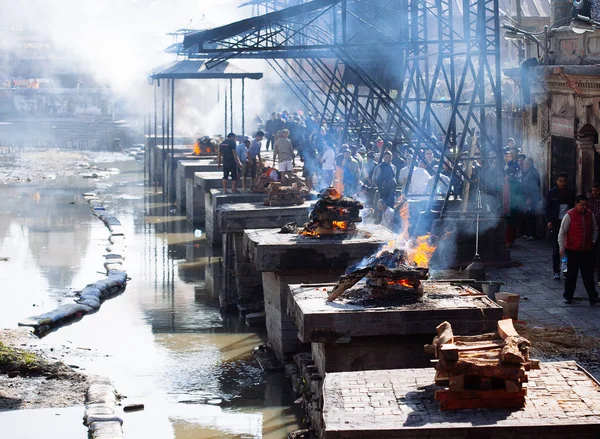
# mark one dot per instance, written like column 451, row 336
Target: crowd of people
column 376, row 172
column 379, row 173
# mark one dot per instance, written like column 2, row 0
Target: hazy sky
column 119, row 39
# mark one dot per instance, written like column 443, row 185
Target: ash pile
column 278, row 195
column 387, row 279
column 333, row 214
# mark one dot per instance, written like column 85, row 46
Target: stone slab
column 185, row 171
column 562, row 401
column 214, row 200
column 241, row 216
column 193, row 164
column 273, row 251
column 313, row 314
column 202, row 183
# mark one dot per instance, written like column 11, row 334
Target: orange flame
column 340, row 225
column 197, row 148
column 337, row 183
column 402, row 282
column 422, row 251
column 405, row 220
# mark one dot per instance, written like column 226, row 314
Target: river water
column 163, row 342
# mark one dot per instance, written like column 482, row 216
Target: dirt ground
column 33, row 378
column 25, row 167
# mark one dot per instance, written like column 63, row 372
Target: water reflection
column 164, row 341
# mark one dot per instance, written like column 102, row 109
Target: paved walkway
column 541, row 296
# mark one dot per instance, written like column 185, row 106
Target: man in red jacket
column 576, row 240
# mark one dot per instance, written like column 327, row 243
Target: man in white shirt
column 327, row 166
column 419, row 179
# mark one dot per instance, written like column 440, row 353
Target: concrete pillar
column 585, row 164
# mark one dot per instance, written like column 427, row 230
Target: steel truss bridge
column 419, row 74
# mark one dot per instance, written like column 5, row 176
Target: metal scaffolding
column 419, row 74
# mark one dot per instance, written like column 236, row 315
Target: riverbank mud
column 31, row 378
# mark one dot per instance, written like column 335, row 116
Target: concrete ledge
column 562, row 401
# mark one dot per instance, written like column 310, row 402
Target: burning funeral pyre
column 385, row 275
column 481, row 371
column 206, row 145
column 333, row 215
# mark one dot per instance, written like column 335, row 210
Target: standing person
column 285, row 152
column 242, row 152
column 384, row 176
column 576, row 239
column 559, row 200
column 327, row 166
column 530, row 187
column 594, row 206
column 513, row 203
column 356, row 156
column 419, row 179
column 368, row 168
column 254, row 160
column 350, row 174
column 273, row 125
column 231, row 162
column 514, row 160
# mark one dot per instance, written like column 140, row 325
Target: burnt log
column 412, row 275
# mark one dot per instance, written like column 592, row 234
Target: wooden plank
column 476, row 338
column 483, row 368
column 457, row 383
column 452, row 351
column 513, row 386
column 506, row 329
column 442, row 379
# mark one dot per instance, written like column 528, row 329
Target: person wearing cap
column 231, row 163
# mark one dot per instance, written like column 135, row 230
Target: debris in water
column 133, row 407
column 4, row 259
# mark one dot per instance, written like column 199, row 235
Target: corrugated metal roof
column 246, row 25
column 196, row 69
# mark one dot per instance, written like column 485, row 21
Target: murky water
column 163, row 342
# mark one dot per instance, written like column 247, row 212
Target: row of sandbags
column 100, row 404
column 93, row 295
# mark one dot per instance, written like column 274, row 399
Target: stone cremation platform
column 384, row 333
column 158, row 157
column 245, row 286
column 202, row 184
column 185, row 177
column 285, row 259
column 214, row 199
column 562, row 401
